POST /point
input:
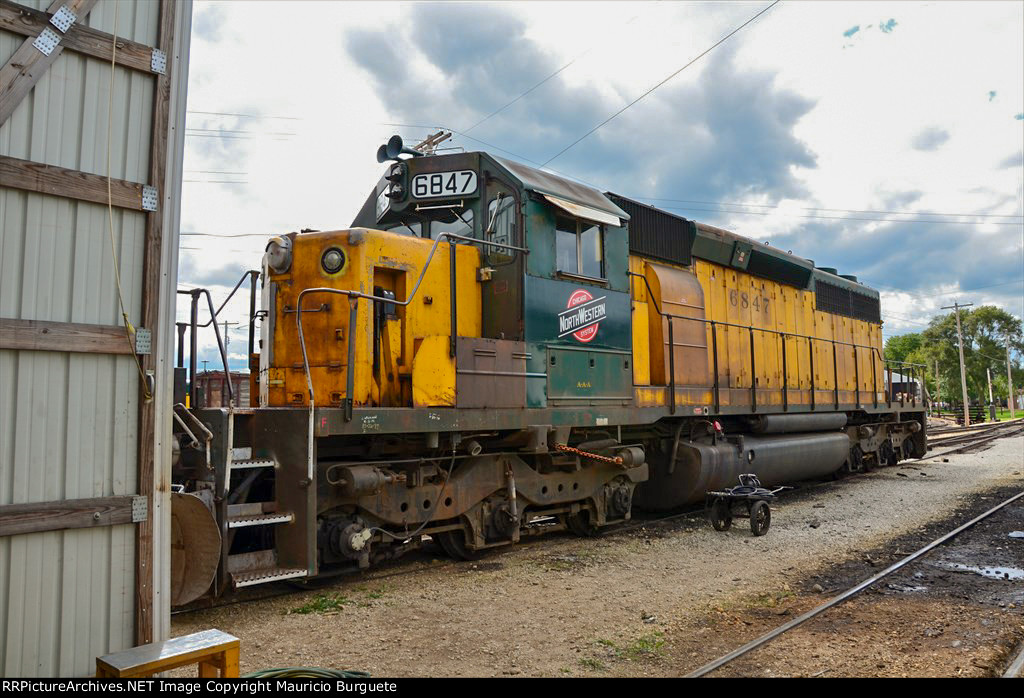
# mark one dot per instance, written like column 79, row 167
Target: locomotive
column 491, row 351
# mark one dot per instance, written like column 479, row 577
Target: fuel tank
column 710, row 465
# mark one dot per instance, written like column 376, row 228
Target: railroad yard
column 306, row 389
column 686, row 594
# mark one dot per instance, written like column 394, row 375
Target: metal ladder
column 260, row 566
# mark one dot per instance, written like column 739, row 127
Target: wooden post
column 963, row 373
column 152, row 250
column 938, row 386
column 1009, row 382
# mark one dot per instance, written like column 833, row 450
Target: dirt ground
column 663, row 598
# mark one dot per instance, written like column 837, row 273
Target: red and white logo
column 582, row 316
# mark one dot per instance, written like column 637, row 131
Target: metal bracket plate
column 143, row 341
column 149, row 198
column 140, row 508
column 158, row 62
column 47, row 41
column 63, row 18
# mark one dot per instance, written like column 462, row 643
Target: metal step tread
column 254, row 463
column 260, row 519
column 266, row 575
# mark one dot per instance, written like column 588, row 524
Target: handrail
column 354, row 297
column 785, row 335
column 238, row 285
column 195, row 293
column 194, row 325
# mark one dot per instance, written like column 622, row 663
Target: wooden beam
column 28, row 64
column 17, row 519
column 60, row 181
column 26, row 21
column 151, row 272
column 42, row 335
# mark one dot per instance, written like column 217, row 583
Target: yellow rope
column 129, row 330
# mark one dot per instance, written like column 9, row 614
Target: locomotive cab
column 509, row 290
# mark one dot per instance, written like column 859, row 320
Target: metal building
column 210, row 390
column 92, row 110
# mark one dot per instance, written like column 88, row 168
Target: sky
column 885, row 138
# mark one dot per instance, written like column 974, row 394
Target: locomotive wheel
column 720, row 515
column 760, row 518
column 454, row 544
column 580, row 525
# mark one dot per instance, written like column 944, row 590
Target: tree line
column 987, row 332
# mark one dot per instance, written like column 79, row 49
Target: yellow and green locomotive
column 492, row 351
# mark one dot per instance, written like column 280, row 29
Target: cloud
column 919, row 258
column 1019, row 117
column 851, row 31
column 887, row 27
column 737, row 124
column 208, row 22
column 196, row 276
column 1015, row 160
column 930, row 139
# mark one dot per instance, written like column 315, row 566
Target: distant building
column 908, row 387
column 210, row 390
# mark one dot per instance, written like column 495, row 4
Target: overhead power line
column 837, row 218
column 245, row 116
column 708, row 210
column 836, row 210
column 620, row 111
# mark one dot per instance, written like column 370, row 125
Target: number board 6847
column 440, row 184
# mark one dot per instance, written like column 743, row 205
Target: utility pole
column 1009, row 379
column 227, row 337
column 963, row 373
column 988, row 373
column 938, row 386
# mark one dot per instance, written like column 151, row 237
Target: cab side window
column 579, row 248
column 501, row 227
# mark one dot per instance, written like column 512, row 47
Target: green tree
column 899, row 347
column 986, row 331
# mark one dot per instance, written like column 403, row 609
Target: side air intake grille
column 842, row 301
column 655, row 233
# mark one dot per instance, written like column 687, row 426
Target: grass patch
column 591, row 663
column 379, row 593
column 650, row 645
column 321, row 603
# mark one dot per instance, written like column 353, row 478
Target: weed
column 321, row 603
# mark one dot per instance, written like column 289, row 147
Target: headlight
column 332, row 260
column 279, row 254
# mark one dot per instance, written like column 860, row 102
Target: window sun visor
column 584, row 212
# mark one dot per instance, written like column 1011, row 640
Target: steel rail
column 849, row 593
column 1016, row 668
column 989, row 436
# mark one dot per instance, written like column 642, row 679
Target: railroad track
column 386, row 572
column 976, row 437
column 943, row 431
column 1013, row 670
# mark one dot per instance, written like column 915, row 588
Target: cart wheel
column 760, row 518
column 720, row 515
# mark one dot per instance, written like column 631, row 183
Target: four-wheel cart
column 721, row 504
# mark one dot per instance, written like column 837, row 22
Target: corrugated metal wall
column 68, row 422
